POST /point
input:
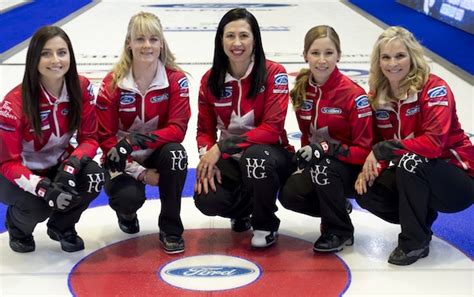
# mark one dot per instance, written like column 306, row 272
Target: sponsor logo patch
column 281, row 79
column 382, row 115
column 362, row 102
column 331, row 110
column 183, row 83
column 437, row 92
column 226, row 93
column 307, row 105
column 160, row 98
column 44, row 115
column 413, row 110
column 127, row 98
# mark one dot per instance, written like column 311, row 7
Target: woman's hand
column 361, row 184
column 150, row 177
column 207, row 170
column 208, row 183
column 370, row 170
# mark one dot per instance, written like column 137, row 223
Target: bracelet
column 144, row 176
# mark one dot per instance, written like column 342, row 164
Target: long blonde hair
column 380, row 91
column 142, row 23
column 298, row 93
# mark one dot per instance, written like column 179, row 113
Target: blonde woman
column 424, row 162
column 143, row 111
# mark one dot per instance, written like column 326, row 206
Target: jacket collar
column 160, row 81
column 330, row 84
column 229, row 77
column 63, row 97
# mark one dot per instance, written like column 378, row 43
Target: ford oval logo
column 226, row 93
column 362, row 102
column 127, row 99
column 437, row 92
column 209, row 271
column 307, row 105
column 382, row 115
column 44, row 115
column 281, row 79
column 183, row 83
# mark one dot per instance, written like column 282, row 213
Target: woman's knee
column 125, row 193
column 171, row 158
column 91, row 179
column 208, row 204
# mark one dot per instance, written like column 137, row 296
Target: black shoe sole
column 65, row 246
column 348, row 242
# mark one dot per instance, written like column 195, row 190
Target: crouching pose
column 423, row 162
column 41, row 174
column 244, row 96
column 335, row 120
column 143, row 111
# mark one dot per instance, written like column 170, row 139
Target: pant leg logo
column 319, row 175
column 96, row 181
column 256, row 168
column 179, row 160
column 409, row 162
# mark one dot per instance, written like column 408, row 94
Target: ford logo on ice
column 209, row 271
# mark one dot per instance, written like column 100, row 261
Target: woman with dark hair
column 41, row 174
column 143, row 111
column 335, row 120
column 423, row 161
column 245, row 97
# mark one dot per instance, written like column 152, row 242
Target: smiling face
column 322, row 57
column 55, row 60
column 238, row 43
column 394, row 62
column 145, row 47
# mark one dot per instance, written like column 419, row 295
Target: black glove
column 66, row 176
column 117, row 156
column 315, row 151
column 57, row 197
column 309, row 153
column 140, row 140
column 230, row 145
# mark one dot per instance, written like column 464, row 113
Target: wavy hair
column 298, row 93
column 148, row 24
column 380, row 91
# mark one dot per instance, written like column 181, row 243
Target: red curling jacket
column 164, row 110
column 337, row 112
column 21, row 151
column 260, row 120
column 425, row 124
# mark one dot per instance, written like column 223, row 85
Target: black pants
column 249, row 186
column 413, row 191
column 320, row 190
column 127, row 195
column 26, row 210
